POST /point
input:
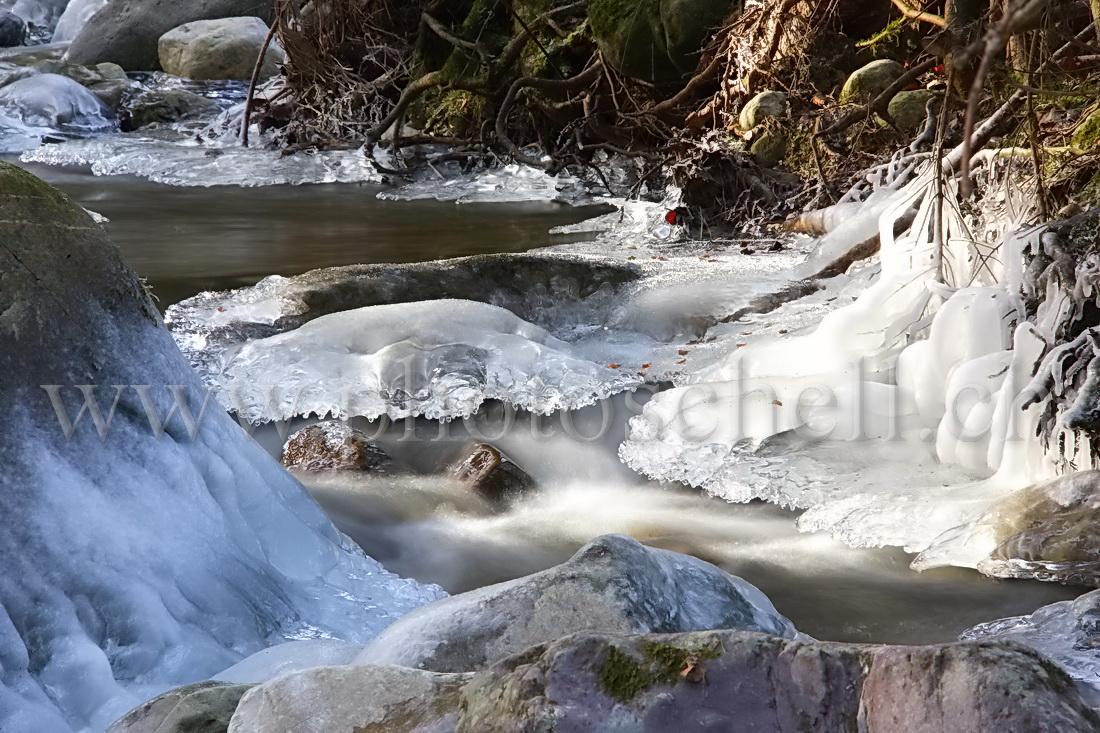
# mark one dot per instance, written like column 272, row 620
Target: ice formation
column 76, row 14
column 177, row 160
column 441, row 359
column 150, row 544
column 499, row 184
column 56, row 102
column 897, row 419
column 1065, row 632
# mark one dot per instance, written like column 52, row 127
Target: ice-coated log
column 157, row 554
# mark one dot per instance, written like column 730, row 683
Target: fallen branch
column 914, row 14
column 245, row 121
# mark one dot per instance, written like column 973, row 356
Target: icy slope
column 164, row 550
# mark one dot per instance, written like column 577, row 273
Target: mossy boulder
column 868, row 82
column 769, row 148
column 656, row 40
column 763, row 106
column 1087, row 133
column 729, row 680
column 910, row 109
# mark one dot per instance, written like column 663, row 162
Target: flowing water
column 184, row 240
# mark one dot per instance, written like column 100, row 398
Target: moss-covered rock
column 719, row 680
column 1087, row 134
column 656, row 40
column 909, row 109
column 868, row 82
column 763, row 106
column 769, row 148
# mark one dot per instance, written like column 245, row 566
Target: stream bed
column 187, row 240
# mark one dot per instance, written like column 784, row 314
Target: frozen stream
column 433, row 531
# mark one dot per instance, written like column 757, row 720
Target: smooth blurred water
column 186, row 240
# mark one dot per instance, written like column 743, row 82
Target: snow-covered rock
column 55, row 101
column 613, row 584
column 441, row 359
column 141, row 548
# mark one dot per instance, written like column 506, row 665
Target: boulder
column 218, row 49
column 346, row 699
column 107, row 81
column 765, row 105
column 204, row 707
column 52, row 100
column 13, row 31
column 1050, row 531
column 612, row 584
column 1067, row 632
column 491, row 474
column 656, row 40
column 334, row 446
column 868, row 82
column 126, row 32
column 728, row 680
column 164, row 106
column 909, row 109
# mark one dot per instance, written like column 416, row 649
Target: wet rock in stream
column 491, row 474
column 334, row 446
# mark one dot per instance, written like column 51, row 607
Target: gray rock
column 204, row 707
column 909, row 109
column 656, row 40
column 868, row 82
column 52, row 100
column 613, row 584
column 13, row 31
column 334, row 446
column 126, row 32
column 763, row 106
column 164, row 106
column 385, row 699
column 491, row 474
column 725, row 680
column 218, row 49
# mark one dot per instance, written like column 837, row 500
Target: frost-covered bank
column 138, row 560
